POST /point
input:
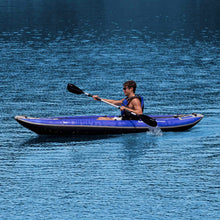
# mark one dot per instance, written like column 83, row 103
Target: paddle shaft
column 102, row 100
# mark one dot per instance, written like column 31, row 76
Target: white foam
column 155, row 131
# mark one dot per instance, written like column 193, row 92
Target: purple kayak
column 90, row 125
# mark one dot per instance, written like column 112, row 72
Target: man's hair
column 130, row 84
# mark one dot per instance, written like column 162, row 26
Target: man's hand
column 122, row 108
column 95, row 97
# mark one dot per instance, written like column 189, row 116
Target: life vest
column 126, row 102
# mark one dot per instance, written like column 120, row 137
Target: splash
column 155, row 131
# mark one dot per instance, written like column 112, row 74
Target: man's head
column 130, row 84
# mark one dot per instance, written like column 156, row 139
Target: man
column 132, row 102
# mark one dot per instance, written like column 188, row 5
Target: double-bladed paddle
column 146, row 119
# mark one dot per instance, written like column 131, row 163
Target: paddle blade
column 148, row 120
column 74, row 89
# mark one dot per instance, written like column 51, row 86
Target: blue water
column 170, row 48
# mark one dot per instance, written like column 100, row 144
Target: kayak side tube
column 90, row 125
column 78, row 125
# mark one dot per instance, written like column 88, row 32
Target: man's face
column 127, row 90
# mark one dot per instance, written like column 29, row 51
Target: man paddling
column 132, row 103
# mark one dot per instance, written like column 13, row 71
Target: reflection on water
column 136, row 146
column 66, row 139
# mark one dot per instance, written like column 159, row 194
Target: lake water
column 170, row 48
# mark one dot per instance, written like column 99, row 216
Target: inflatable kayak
column 90, row 125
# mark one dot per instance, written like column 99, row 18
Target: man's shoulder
column 135, row 100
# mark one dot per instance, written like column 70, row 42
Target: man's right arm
column 115, row 102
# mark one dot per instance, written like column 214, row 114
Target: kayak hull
column 90, row 125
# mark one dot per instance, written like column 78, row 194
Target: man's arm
column 115, row 102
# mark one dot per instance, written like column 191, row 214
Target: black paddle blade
column 148, row 120
column 74, row 89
